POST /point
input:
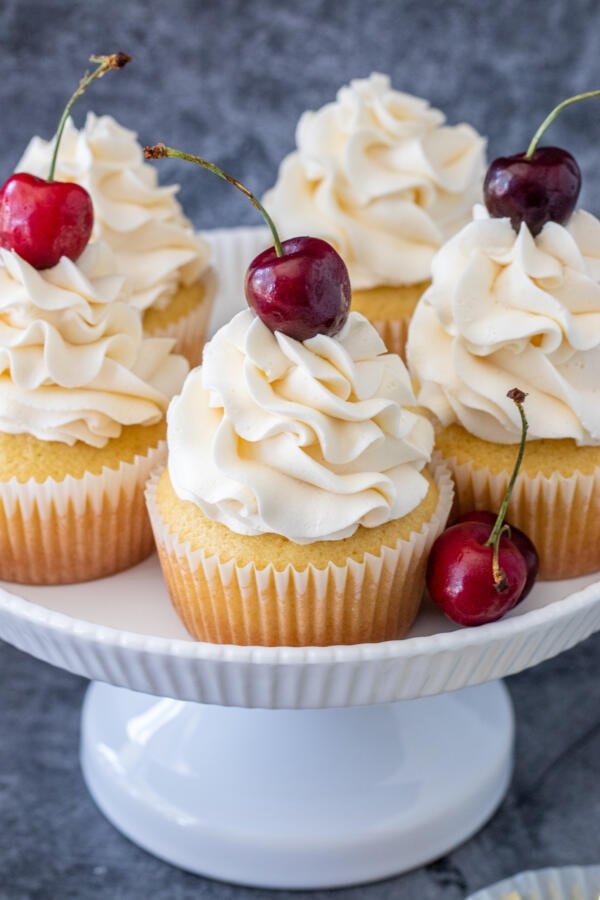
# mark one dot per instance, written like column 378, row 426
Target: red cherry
column 43, row 221
column 300, row 287
column 536, row 190
column 303, row 293
column 524, row 544
column 460, row 574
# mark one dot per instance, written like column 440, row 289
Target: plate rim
column 27, row 611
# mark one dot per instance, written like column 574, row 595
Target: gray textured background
column 229, row 79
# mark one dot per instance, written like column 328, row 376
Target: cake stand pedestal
column 297, row 798
column 291, row 767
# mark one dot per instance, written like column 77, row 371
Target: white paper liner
column 568, row 883
column 57, row 532
column 190, row 331
column 373, row 600
column 394, row 334
column 561, row 514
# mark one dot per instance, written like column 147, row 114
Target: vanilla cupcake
column 506, row 310
column 298, row 506
column 379, row 175
column 167, row 265
column 83, row 397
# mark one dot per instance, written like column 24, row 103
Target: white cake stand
column 291, row 767
column 284, row 767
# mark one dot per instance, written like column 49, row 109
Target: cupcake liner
column 361, row 602
column 190, row 331
column 59, row 532
column 394, row 334
column 561, row 514
column 567, row 883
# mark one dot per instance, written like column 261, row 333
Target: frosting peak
column 142, row 222
column 74, row 365
column 379, row 175
column 507, row 309
column 306, row 440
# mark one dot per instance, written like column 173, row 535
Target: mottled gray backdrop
column 228, row 79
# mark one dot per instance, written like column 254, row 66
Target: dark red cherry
column 300, row 287
column 43, row 221
column 303, row 293
column 460, row 574
column 541, row 189
column 523, row 544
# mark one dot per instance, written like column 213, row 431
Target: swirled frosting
column 74, row 365
column 305, row 440
column 508, row 310
column 154, row 244
column 379, row 175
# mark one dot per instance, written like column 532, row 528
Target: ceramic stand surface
column 345, row 764
column 298, row 798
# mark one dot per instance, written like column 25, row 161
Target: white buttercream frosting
column 74, row 364
column 379, row 175
column 305, row 440
column 508, row 310
column 154, row 244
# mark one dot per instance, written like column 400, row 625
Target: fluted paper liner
column 394, row 334
column 561, row 514
column 190, row 331
column 568, row 883
column 373, row 600
column 59, row 532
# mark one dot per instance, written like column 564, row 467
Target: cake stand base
column 298, row 798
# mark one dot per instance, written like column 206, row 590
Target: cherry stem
column 159, row 151
column 518, row 398
column 112, row 61
column 552, row 116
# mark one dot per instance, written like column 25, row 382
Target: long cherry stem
column 518, row 398
column 104, row 63
column 159, row 151
column 552, row 116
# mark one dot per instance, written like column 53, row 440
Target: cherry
column 300, row 287
column 535, row 190
column 537, row 186
column 476, row 573
column 302, row 293
column 459, row 574
column 524, row 544
column 43, row 220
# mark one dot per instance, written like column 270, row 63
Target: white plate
column 568, row 883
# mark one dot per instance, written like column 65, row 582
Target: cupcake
column 166, row 263
column 380, row 176
column 83, row 396
column 299, row 502
column 508, row 309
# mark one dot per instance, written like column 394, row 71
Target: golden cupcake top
column 154, row 243
column 506, row 308
column 304, row 439
column 380, row 175
column 74, row 364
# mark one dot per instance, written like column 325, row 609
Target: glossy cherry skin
column 303, row 293
column 459, row 575
column 524, row 544
column 542, row 189
column 42, row 220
